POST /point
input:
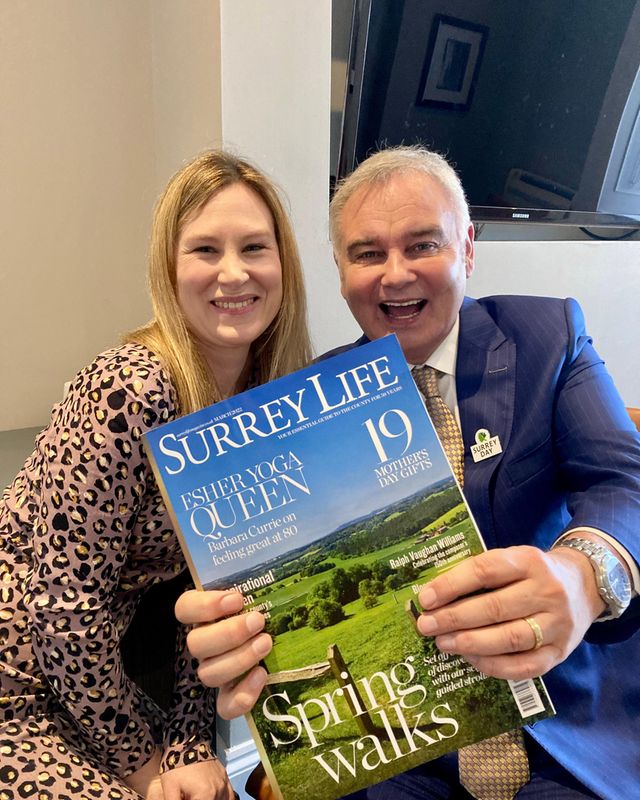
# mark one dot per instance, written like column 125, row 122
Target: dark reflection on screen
column 537, row 104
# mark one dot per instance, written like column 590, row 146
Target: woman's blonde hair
column 282, row 348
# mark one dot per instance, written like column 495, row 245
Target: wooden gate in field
column 336, row 666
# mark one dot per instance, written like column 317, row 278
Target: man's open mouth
column 403, row 309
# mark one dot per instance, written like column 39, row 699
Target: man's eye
column 425, row 247
column 368, row 255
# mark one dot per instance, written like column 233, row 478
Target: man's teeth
column 402, row 309
column 233, row 304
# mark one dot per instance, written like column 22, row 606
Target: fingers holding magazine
column 513, row 613
column 227, row 645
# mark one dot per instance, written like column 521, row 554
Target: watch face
column 618, row 581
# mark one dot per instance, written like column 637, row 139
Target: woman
column 83, row 530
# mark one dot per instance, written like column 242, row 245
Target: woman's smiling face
column 228, row 273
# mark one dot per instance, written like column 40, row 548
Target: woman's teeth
column 233, row 304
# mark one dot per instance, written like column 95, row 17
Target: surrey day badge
column 486, row 445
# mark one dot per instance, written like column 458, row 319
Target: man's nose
column 397, row 270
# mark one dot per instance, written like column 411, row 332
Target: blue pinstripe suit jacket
column 527, row 371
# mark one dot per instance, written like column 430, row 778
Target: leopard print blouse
column 83, row 533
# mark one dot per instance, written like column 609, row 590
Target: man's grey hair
column 385, row 164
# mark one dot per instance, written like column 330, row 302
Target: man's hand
column 557, row 589
column 226, row 647
column 205, row 780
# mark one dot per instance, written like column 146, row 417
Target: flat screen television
column 537, row 104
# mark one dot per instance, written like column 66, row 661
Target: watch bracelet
column 593, row 550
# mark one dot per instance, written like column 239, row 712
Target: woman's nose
column 232, row 269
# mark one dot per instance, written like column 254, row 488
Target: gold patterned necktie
column 443, row 420
column 496, row 768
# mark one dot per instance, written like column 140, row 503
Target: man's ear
column 468, row 250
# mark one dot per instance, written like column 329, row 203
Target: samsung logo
column 516, row 215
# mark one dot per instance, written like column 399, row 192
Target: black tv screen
column 536, row 103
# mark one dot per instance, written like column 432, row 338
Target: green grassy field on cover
column 372, row 640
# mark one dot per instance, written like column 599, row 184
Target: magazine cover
column 325, row 498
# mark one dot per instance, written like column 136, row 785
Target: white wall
column 100, row 103
column 276, row 104
column 603, row 276
column 187, row 114
column 75, row 100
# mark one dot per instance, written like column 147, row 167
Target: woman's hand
column 226, row 646
column 205, row 780
column 146, row 780
column 479, row 609
column 154, row 792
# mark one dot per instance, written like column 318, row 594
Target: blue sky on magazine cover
column 338, row 457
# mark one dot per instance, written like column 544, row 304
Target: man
column 559, row 506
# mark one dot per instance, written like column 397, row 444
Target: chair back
column 634, row 413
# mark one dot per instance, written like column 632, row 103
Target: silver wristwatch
column 611, row 577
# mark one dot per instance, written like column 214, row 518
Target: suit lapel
column 485, row 385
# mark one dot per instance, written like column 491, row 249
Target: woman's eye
column 254, row 248
column 204, row 248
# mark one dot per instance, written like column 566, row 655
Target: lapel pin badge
column 486, row 445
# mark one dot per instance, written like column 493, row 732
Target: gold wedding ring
column 537, row 632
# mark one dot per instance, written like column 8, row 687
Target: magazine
column 325, row 498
